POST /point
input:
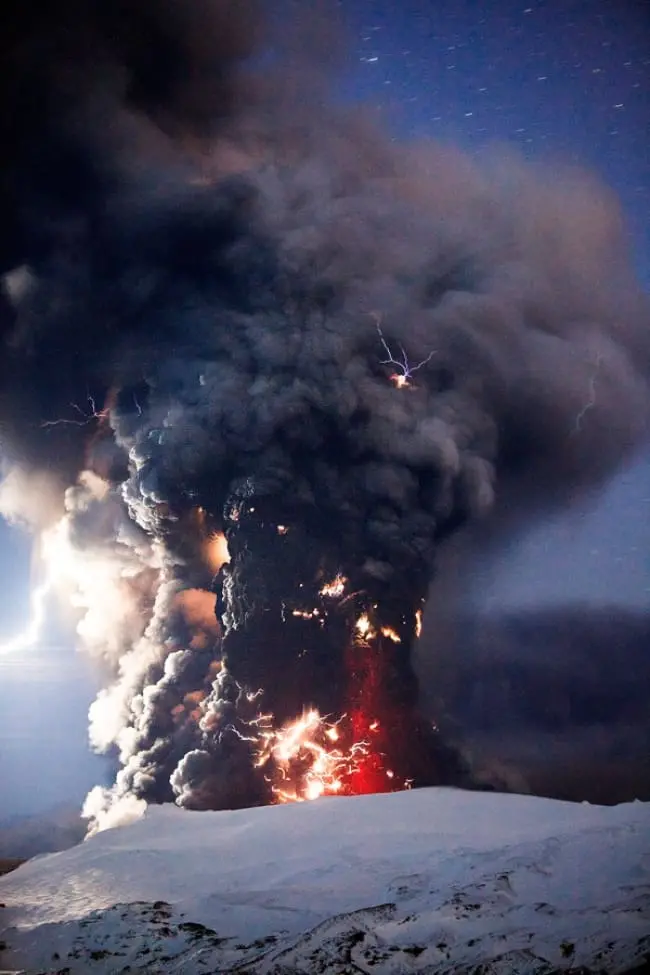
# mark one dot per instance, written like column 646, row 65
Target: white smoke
column 113, row 715
column 105, row 812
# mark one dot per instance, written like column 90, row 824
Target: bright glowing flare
column 390, row 634
column 303, row 762
column 335, row 588
column 364, row 627
column 418, row 623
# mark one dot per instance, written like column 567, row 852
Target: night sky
column 557, row 80
column 567, row 80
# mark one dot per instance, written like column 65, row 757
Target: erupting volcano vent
column 306, row 632
column 269, row 360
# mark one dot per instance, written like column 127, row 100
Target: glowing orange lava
column 306, row 759
column 335, row 588
column 390, row 634
column 368, row 663
column 364, row 627
column 418, row 623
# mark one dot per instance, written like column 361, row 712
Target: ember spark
column 418, row 623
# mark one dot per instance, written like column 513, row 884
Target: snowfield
column 435, row 881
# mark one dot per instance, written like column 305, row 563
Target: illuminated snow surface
column 430, row 881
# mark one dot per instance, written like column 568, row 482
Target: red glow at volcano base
column 368, row 664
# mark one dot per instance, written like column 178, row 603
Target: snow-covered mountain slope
column 434, row 881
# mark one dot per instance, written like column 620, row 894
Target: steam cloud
column 220, row 266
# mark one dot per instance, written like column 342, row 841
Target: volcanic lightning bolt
column 30, row 636
column 306, row 758
column 60, row 566
column 404, row 377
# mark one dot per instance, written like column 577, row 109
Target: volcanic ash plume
column 298, row 357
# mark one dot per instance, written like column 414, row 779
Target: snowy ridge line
column 433, row 882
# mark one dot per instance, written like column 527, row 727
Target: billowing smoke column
column 249, row 313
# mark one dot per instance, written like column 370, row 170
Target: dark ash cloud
column 553, row 702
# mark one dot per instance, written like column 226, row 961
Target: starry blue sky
column 555, row 78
